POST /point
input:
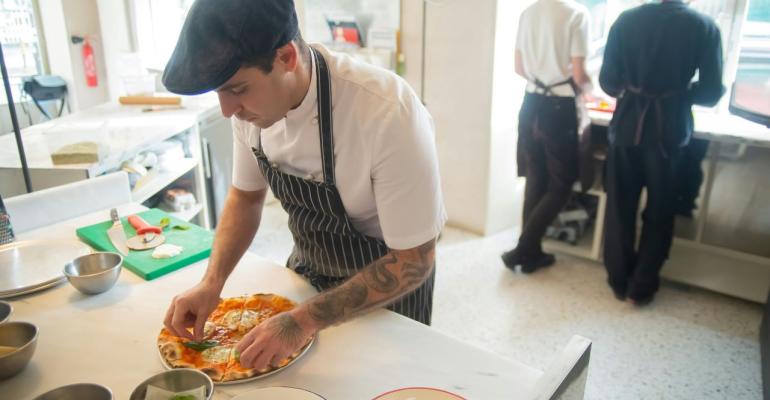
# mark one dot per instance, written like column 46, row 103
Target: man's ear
column 287, row 56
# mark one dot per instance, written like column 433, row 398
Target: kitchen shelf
column 188, row 215
column 583, row 248
column 159, row 180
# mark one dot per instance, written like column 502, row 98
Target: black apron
column 327, row 248
column 546, row 101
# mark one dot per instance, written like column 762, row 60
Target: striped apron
column 327, row 248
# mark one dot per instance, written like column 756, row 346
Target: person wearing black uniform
column 652, row 53
column 552, row 59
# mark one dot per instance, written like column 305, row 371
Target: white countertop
column 721, row 127
column 118, row 129
column 110, row 339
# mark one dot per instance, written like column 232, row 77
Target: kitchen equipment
column 147, row 236
column 33, row 265
column 22, row 336
column 419, row 393
column 116, row 233
column 278, row 393
column 195, row 241
column 94, row 273
column 78, row 391
column 5, row 311
column 175, row 380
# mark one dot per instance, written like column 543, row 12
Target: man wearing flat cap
column 346, row 147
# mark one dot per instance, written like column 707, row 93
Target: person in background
column 653, row 52
column 551, row 47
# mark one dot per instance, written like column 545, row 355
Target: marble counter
column 110, row 339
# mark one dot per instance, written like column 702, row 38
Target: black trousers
column 630, row 271
column 689, row 175
column 547, row 157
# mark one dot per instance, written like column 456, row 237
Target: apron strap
column 548, row 89
column 324, row 90
column 650, row 100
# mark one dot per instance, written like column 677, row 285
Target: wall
column 474, row 96
column 60, row 20
column 116, row 36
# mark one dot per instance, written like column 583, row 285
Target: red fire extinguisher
column 89, row 65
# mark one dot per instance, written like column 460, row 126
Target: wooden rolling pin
column 150, row 100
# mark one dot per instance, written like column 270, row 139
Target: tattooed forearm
column 332, row 305
column 377, row 285
column 378, row 277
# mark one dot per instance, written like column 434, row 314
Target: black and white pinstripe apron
column 327, row 248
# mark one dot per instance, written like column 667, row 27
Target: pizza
column 216, row 355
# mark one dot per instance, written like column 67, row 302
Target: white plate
column 278, row 393
column 31, row 265
column 419, row 393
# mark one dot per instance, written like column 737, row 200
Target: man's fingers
column 178, row 322
column 200, row 323
column 262, row 360
column 249, row 355
column 169, row 317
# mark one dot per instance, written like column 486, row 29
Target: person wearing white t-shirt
column 551, row 47
column 347, row 148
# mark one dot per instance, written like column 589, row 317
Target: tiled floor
column 688, row 344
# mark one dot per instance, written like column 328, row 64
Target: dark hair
column 265, row 61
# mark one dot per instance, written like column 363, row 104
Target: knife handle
column 142, row 226
column 114, row 216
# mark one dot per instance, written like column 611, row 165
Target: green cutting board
column 196, row 243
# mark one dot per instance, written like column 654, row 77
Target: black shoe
column 511, row 258
column 642, row 300
column 532, row 264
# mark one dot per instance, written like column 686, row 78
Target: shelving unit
column 156, row 181
column 188, row 215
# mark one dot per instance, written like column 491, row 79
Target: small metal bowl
column 175, row 380
column 78, row 391
column 5, row 311
column 23, row 337
column 94, row 273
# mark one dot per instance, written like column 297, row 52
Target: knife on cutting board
column 116, row 233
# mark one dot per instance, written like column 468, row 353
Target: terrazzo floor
column 688, row 344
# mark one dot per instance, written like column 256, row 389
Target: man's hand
column 273, row 341
column 190, row 309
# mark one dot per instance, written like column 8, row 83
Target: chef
column 348, row 150
column 652, row 53
column 551, row 47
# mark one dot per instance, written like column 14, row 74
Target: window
column 726, row 13
column 157, row 25
column 752, row 81
column 21, row 42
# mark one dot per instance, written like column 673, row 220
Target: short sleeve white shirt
column 386, row 167
column 550, row 33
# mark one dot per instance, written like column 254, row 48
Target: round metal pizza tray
column 253, row 378
column 32, row 265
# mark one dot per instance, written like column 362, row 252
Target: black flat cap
column 219, row 35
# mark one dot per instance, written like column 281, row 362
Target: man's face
column 258, row 97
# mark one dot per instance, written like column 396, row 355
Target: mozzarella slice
column 167, row 251
column 217, row 354
column 232, row 319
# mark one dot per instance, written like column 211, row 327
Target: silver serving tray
column 253, row 378
column 29, row 266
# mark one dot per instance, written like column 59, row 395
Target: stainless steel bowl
column 175, row 380
column 78, row 391
column 5, row 311
column 22, row 336
column 94, row 273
